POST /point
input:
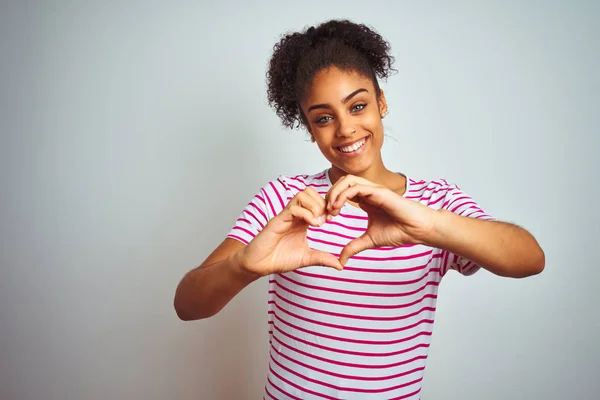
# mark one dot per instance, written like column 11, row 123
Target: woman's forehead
column 333, row 84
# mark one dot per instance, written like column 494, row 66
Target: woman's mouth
column 353, row 148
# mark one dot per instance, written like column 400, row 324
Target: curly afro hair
column 300, row 55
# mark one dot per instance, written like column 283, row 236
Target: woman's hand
column 281, row 246
column 393, row 219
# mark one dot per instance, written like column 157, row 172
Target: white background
column 133, row 134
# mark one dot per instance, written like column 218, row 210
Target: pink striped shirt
column 364, row 332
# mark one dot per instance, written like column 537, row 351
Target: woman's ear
column 383, row 108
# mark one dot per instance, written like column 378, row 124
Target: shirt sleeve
column 462, row 204
column 267, row 203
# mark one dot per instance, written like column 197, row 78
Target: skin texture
column 341, row 108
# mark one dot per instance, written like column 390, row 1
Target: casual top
column 360, row 333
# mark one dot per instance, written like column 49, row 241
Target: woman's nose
column 345, row 128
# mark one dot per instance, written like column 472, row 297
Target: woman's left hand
column 393, row 219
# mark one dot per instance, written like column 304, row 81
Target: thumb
column 317, row 257
column 355, row 246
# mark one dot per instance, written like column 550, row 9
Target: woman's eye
column 322, row 120
column 359, row 107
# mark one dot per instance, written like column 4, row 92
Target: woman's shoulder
column 279, row 191
column 425, row 189
column 429, row 184
column 297, row 183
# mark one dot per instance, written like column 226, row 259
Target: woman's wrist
column 240, row 269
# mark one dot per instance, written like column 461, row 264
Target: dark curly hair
column 300, row 55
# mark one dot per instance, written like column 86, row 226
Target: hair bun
column 299, row 55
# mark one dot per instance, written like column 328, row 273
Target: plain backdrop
column 133, row 134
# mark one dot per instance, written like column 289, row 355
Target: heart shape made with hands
column 393, row 220
column 282, row 245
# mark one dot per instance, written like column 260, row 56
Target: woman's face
column 344, row 118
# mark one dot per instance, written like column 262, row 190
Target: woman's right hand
column 281, row 246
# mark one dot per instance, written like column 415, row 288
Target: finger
column 307, row 216
column 374, row 195
column 321, row 204
column 345, row 194
column 317, row 197
column 331, row 190
column 352, row 193
column 355, row 246
column 321, row 258
column 308, row 202
column 343, row 183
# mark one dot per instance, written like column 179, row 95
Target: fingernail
column 321, row 220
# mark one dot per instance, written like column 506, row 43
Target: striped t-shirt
column 360, row 333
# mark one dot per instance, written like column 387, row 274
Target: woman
column 361, row 328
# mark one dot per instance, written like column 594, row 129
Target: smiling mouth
column 353, row 147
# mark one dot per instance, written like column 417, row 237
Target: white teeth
column 354, row 147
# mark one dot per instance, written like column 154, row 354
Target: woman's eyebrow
column 351, row 95
column 347, row 99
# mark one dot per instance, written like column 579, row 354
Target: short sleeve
column 462, row 204
column 267, row 203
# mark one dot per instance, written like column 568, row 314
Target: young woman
column 354, row 254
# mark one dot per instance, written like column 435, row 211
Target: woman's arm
column 205, row 290
column 502, row 248
column 280, row 246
